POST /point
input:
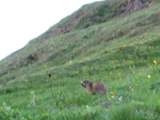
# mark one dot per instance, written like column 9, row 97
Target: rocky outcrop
column 32, row 56
column 135, row 4
column 131, row 5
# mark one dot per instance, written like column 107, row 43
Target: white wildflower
column 32, row 102
column 120, row 98
column 88, row 107
column 8, row 108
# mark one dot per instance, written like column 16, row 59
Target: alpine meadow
column 116, row 42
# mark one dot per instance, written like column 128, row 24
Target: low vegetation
column 42, row 80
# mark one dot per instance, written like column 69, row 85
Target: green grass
column 121, row 51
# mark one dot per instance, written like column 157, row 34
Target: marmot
column 94, row 87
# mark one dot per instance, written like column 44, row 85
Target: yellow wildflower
column 107, row 96
column 25, row 80
column 155, row 62
column 149, row 76
column 111, row 93
column 0, row 86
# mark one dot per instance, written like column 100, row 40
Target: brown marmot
column 94, row 87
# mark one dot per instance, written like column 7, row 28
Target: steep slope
column 88, row 15
column 116, row 41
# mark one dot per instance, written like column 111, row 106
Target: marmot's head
column 86, row 83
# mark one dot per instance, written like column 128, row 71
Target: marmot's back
column 94, row 87
column 99, row 88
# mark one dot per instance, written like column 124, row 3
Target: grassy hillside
column 103, row 41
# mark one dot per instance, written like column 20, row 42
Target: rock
column 106, row 104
